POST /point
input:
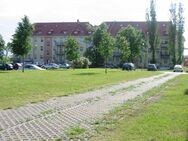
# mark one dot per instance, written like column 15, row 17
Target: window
column 35, row 57
column 165, row 32
column 41, row 57
column 65, row 32
column 41, row 40
column 41, row 48
column 48, row 52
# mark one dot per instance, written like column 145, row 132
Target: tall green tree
column 2, row 45
column 123, row 46
column 134, row 38
column 72, row 49
column 180, row 31
column 93, row 53
column 152, row 30
column 172, row 31
column 106, row 45
column 21, row 42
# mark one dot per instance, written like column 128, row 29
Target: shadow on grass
column 186, row 92
column 86, row 73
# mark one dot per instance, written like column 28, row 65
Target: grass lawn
column 164, row 119
column 19, row 88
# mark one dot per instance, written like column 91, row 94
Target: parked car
column 6, row 67
column 128, row 66
column 51, row 66
column 32, row 67
column 178, row 68
column 152, row 67
column 65, row 66
column 17, row 66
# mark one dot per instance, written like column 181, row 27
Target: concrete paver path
column 48, row 120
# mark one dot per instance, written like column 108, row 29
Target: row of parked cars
column 151, row 67
column 10, row 66
column 29, row 66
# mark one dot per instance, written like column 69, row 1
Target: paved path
column 48, row 120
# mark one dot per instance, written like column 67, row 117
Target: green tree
column 92, row 52
column 105, row 45
column 2, row 45
column 72, row 49
column 180, row 31
column 21, row 42
column 134, row 38
column 7, row 49
column 172, row 31
column 152, row 29
column 123, row 46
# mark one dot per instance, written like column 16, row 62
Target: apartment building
column 49, row 38
column 162, row 53
column 186, row 61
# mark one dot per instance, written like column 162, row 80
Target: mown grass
column 19, row 88
column 161, row 118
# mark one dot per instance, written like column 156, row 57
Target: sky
column 93, row 11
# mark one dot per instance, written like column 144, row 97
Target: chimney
column 78, row 21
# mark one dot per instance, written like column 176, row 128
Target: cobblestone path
column 49, row 120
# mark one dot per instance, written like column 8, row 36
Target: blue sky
column 93, row 11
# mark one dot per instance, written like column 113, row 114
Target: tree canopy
column 72, row 49
column 2, row 45
column 176, row 30
column 106, row 44
column 130, row 42
column 152, row 30
column 21, row 42
column 123, row 45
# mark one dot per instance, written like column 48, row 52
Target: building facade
column 186, row 61
column 162, row 52
column 49, row 38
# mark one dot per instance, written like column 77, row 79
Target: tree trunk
column 105, row 65
column 23, row 65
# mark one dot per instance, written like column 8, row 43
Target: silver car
column 178, row 68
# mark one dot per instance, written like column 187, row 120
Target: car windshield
column 178, row 66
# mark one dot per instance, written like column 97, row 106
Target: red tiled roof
column 114, row 26
column 62, row 29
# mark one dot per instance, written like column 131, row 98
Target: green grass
column 19, row 88
column 165, row 118
column 75, row 132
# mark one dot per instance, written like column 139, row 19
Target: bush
column 82, row 62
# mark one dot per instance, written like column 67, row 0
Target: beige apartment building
column 49, row 38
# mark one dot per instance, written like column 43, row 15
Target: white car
column 32, row 67
column 178, row 68
column 51, row 66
